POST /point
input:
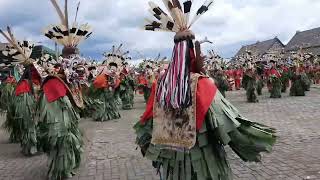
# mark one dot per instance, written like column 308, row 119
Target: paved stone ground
column 111, row 153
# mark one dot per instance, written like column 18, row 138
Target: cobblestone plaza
column 112, row 155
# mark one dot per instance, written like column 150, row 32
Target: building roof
column 259, row 48
column 304, row 39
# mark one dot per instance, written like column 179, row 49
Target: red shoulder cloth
column 148, row 114
column 10, row 80
column 274, row 72
column 54, row 89
column 23, row 87
column 100, row 82
column 206, row 91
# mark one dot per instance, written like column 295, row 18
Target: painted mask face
column 20, row 69
column 94, row 73
column 113, row 69
column 81, row 71
column 149, row 71
column 67, row 74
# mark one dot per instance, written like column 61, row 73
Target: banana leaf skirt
column 6, row 95
column 60, row 136
column 105, row 107
column 127, row 97
column 20, row 122
column 223, row 126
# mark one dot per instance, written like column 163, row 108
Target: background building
column 260, row 49
column 308, row 41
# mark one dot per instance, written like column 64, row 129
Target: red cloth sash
column 23, row 87
column 54, row 89
column 206, row 92
column 275, row 73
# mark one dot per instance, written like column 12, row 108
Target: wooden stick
column 67, row 21
column 4, row 35
column 118, row 50
column 61, row 16
column 75, row 19
column 66, row 14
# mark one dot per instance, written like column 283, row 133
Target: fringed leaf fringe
column 207, row 159
column 60, row 136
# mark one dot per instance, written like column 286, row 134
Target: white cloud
column 229, row 23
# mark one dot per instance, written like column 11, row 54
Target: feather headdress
column 17, row 52
column 216, row 61
column 178, row 19
column 63, row 33
column 174, row 86
column 149, row 64
column 116, row 57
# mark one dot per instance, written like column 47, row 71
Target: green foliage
column 20, row 123
column 250, row 86
column 6, row 95
column 60, row 136
column 276, row 87
column 127, row 86
column 298, row 86
column 104, row 106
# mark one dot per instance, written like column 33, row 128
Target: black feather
column 170, row 25
column 187, row 6
column 73, row 30
column 79, row 32
column 203, row 9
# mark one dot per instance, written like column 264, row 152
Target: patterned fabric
column 205, row 94
column 176, row 128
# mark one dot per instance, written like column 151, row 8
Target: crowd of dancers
column 297, row 72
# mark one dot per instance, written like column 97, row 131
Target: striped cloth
column 174, row 86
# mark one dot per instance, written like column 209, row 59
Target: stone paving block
column 111, row 152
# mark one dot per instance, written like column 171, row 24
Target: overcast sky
column 229, row 24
